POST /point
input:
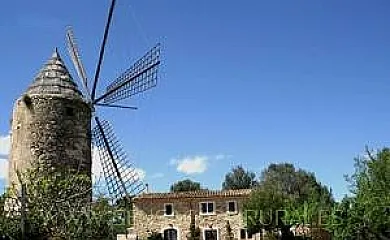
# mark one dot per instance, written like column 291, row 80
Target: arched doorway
column 170, row 234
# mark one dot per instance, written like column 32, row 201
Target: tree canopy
column 185, row 185
column 285, row 196
column 58, row 206
column 239, row 178
column 296, row 183
column 366, row 214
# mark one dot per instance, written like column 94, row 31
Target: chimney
column 147, row 187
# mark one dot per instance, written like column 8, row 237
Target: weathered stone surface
column 51, row 124
column 149, row 213
column 54, row 78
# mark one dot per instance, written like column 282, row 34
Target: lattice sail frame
column 141, row 76
column 121, row 177
column 76, row 59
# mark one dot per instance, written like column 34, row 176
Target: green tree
column 366, row 214
column 155, row 236
column 185, row 185
column 194, row 233
column 296, row 183
column 285, row 196
column 59, row 207
column 239, row 178
column 263, row 209
column 9, row 223
column 229, row 232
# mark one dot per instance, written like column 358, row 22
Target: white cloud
column 3, row 169
column 5, row 145
column 97, row 169
column 196, row 164
column 191, row 165
column 222, row 157
column 156, row 175
column 140, row 173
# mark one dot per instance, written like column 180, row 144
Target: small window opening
column 232, row 207
column 69, row 112
column 27, row 100
column 168, row 210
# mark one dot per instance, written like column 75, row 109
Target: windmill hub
column 121, row 177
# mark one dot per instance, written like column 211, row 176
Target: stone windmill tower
column 51, row 124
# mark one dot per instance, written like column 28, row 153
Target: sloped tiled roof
column 194, row 194
column 54, row 79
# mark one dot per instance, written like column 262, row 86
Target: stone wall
column 51, row 131
column 149, row 216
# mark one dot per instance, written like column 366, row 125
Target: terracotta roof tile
column 194, row 194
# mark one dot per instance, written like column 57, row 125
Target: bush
column 155, row 236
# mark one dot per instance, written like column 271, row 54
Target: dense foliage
column 57, row 206
column 239, row 178
column 284, row 197
column 185, row 185
column 366, row 214
column 229, row 231
column 298, row 184
column 194, row 233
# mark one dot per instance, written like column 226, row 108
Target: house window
column 207, row 208
column 232, row 207
column 168, row 207
column 210, row 234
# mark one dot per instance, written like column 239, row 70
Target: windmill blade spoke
column 121, row 177
column 140, row 77
column 102, row 48
column 115, row 106
column 76, row 59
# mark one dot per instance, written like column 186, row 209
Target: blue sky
column 250, row 82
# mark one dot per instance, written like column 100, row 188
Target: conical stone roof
column 54, row 79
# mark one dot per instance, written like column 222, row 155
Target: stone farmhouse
column 170, row 214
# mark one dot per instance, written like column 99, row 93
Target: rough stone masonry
column 51, row 124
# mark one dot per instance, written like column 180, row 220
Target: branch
column 75, row 195
column 369, row 153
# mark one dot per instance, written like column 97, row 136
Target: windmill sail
column 102, row 48
column 121, row 177
column 138, row 78
column 75, row 56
